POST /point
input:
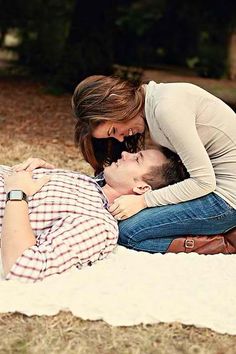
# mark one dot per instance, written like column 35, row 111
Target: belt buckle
column 189, row 243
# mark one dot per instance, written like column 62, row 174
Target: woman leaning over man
column 113, row 115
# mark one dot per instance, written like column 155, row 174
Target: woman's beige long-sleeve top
column 201, row 129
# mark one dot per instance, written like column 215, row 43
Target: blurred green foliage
column 67, row 40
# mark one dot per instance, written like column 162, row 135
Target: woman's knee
column 126, row 230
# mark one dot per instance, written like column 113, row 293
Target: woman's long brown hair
column 105, row 98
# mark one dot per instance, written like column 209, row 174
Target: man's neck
column 110, row 193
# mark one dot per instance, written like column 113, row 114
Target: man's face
column 125, row 174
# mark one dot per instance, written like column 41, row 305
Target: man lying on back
column 56, row 219
column 59, row 219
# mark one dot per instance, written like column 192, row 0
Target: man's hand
column 24, row 182
column 126, row 206
column 31, row 164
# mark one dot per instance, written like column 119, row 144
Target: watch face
column 16, row 195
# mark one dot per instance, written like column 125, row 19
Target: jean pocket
column 227, row 205
column 227, row 213
column 221, row 204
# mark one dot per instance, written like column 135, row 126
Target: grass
column 65, row 333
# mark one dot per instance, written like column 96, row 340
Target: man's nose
column 127, row 155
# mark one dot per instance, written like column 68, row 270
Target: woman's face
column 119, row 130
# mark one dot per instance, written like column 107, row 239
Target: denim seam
column 147, row 228
column 172, row 224
column 137, row 249
column 229, row 211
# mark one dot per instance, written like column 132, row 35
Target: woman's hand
column 126, row 206
column 24, row 182
column 31, row 164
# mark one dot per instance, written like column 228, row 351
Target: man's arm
column 72, row 241
column 17, row 234
column 75, row 239
column 31, row 164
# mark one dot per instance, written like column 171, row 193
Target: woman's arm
column 178, row 125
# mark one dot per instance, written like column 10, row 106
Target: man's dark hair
column 173, row 171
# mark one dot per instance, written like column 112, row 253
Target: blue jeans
column 153, row 229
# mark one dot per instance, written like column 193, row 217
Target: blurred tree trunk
column 3, row 32
column 89, row 46
column 232, row 55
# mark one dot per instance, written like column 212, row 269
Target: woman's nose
column 120, row 138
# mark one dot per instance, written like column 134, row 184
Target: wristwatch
column 16, row 195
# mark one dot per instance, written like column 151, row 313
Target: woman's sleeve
column 179, row 127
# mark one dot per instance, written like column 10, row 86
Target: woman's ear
column 141, row 188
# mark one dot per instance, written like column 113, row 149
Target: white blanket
column 132, row 287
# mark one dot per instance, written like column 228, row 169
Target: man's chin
column 111, row 167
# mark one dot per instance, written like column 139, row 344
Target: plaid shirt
column 71, row 224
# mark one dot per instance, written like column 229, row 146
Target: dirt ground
column 33, row 123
